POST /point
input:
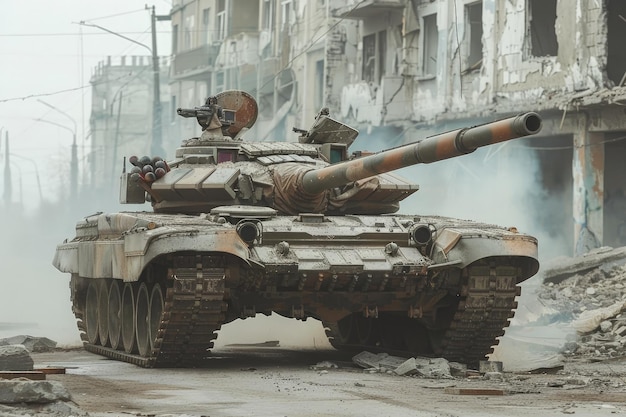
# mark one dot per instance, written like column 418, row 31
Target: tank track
column 193, row 311
column 487, row 302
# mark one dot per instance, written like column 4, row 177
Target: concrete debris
column 591, row 320
column 589, row 292
column 418, row 366
column 490, row 366
column 33, row 344
column 55, row 409
column 15, row 358
column 474, row 391
column 324, row 365
column 20, row 391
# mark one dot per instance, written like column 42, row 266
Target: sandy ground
column 246, row 381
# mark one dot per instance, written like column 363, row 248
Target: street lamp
column 7, row 174
column 74, row 163
column 157, row 138
column 32, row 161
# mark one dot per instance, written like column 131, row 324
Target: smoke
column 35, row 297
column 500, row 184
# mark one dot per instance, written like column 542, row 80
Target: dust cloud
column 35, row 297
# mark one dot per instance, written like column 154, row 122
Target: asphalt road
column 246, row 381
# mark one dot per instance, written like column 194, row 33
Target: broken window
column 174, row 39
column 474, row 19
column 268, row 11
column 189, row 31
column 369, row 58
column 542, row 23
column 288, row 15
column 221, row 20
column 616, row 33
column 374, row 52
column 431, row 44
column 319, row 84
column 205, row 25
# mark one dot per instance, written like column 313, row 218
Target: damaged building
column 403, row 70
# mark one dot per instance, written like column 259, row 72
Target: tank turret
column 314, row 175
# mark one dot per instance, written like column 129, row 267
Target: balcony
column 353, row 9
column 195, row 60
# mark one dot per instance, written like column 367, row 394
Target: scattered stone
column 494, row 376
column 13, row 392
column 458, row 369
column 576, row 381
column 370, row 360
column 489, row 366
column 409, row 367
column 382, row 362
column 324, row 365
column 473, row 391
column 15, row 358
column 606, row 326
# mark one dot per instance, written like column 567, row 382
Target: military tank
column 301, row 229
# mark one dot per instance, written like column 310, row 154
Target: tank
column 302, row 229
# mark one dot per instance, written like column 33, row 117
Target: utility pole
column 7, row 173
column 157, row 134
column 74, row 160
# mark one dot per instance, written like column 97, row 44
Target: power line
column 61, row 91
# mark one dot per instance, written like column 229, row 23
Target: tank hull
column 152, row 289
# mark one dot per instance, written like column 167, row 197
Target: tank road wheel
column 156, row 310
column 128, row 318
column 366, row 330
column 103, row 313
column 391, row 333
column 115, row 315
column 345, row 326
column 91, row 313
column 141, row 320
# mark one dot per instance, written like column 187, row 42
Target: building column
column 588, row 182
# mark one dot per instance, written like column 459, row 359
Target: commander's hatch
column 334, row 136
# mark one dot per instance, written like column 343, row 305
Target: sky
column 46, row 61
column 47, row 58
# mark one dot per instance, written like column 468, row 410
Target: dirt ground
column 245, row 381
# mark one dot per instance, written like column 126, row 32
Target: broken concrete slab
column 590, row 320
column 381, row 360
column 558, row 269
column 33, row 344
column 425, row 367
column 15, row 358
column 19, row 391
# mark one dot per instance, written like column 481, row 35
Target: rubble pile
column 590, row 293
column 22, row 396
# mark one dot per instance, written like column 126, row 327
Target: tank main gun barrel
column 434, row 148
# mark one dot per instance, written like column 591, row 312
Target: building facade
column 121, row 122
column 451, row 61
column 401, row 70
